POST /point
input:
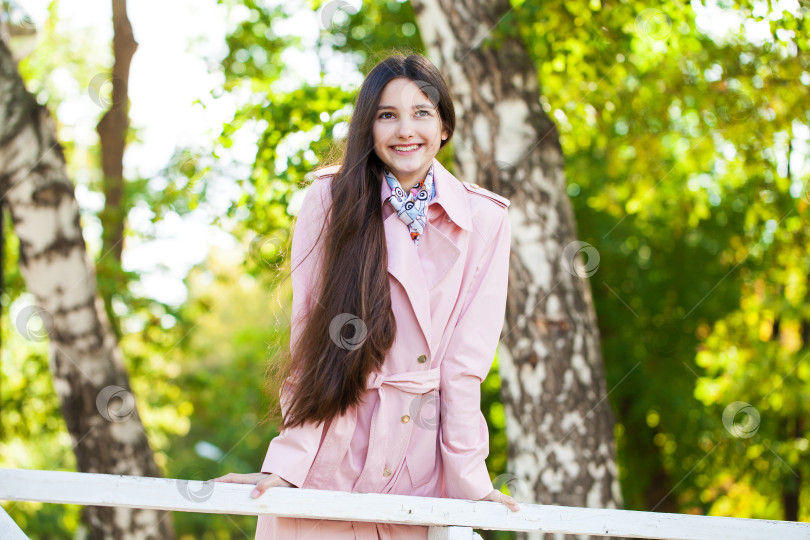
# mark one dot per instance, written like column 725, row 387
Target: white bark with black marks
column 85, row 360
column 559, row 421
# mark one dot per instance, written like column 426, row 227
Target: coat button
column 405, row 419
column 421, row 359
column 387, row 472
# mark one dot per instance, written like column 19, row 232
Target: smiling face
column 407, row 131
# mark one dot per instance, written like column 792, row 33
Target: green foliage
column 240, row 323
column 684, row 158
column 32, row 432
column 646, row 105
column 676, row 155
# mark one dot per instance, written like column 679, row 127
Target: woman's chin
column 407, row 165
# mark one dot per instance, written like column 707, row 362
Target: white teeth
column 406, row 148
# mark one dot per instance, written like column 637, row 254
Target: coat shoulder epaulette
column 478, row 190
column 326, row 171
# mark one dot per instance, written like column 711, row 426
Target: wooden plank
column 219, row 498
column 451, row 533
column 9, row 530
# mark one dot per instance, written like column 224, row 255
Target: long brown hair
column 330, row 377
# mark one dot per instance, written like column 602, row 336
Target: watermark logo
column 115, row 404
column 424, row 410
column 100, row 90
column 268, row 251
column 34, row 323
column 518, row 489
column 733, row 106
column 337, row 331
column 329, row 12
column 741, row 419
column 575, row 265
column 653, row 24
column 195, row 485
column 430, row 91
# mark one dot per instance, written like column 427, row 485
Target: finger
column 266, row 483
column 493, row 496
column 511, row 503
column 238, row 478
column 284, row 483
column 230, row 478
column 222, row 478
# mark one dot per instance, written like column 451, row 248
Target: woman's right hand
column 263, row 481
column 497, row 496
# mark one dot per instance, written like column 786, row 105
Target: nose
column 404, row 129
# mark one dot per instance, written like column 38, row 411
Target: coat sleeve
column 464, row 436
column 290, row 455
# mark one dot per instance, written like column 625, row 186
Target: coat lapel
column 421, row 269
column 404, row 265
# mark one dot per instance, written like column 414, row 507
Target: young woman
column 399, row 293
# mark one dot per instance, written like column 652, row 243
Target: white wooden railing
column 447, row 519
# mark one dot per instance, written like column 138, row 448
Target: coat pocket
column 421, row 456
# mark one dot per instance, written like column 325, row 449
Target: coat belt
column 414, row 382
column 342, row 429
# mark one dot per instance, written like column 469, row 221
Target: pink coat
column 420, row 430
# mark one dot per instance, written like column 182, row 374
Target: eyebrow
column 419, row 106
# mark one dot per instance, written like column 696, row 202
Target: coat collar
column 419, row 273
column 450, row 195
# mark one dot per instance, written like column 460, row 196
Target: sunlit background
column 686, row 141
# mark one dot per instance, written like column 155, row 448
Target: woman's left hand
column 497, row 496
column 263, row 481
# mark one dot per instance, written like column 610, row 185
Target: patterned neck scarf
column 412, row 209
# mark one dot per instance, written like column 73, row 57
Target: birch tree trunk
column 559, row 421
column 85, row 361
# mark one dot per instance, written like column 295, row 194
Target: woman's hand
column 263, row 481
column 497, row 496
